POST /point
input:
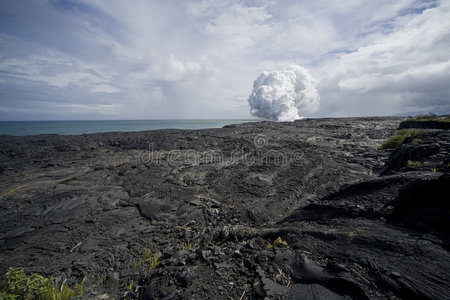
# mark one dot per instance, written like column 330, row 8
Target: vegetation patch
column 190, row 246
column 413, row 164
column 130, row 286
column 19, row 285
column 277, row 243
column 397, row 140
column 149, row 259
column 434, row 118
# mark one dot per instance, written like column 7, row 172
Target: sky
column 194, row 59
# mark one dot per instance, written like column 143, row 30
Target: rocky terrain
column 310, row 209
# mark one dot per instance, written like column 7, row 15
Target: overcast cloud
column 98, row 59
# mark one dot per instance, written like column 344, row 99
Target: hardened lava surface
column 310, row 209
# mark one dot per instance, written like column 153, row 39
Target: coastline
column 24, row 128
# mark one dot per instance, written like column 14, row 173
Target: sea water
column 82, row 127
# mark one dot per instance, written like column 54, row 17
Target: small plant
column 190, row 246
column 279, row 242
column 79, row 286
column 102, row 280
column 130, row 286
column 434, row 170
column 398, row 139
column 413, row 164
column 276, row 243
column 149, row 259
column 34, row 286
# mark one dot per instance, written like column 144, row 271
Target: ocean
column 82, row 127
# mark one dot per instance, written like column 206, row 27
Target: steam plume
column 284, row 95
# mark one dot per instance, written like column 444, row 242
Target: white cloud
column 407, row 66
column 57, row 71
column 104, row 88
column 103, row 109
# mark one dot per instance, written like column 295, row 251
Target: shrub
column 18, row 285
column 398, row 139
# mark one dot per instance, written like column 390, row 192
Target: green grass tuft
column 413, row 164
column 398, row 139
column 130, row 286
column 149, row 259
column 190, row 246
column 19, row 285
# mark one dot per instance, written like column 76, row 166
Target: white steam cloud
column 284, row 95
